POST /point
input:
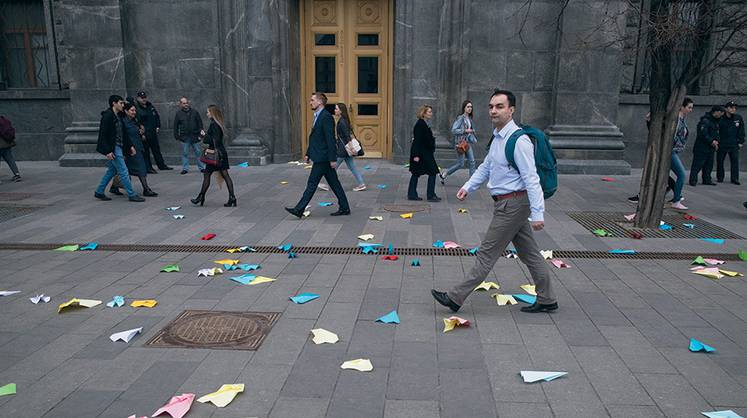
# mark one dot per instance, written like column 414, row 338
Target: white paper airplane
column 536, row 376
column 125, row 336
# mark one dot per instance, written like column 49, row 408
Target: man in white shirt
column 517, row 196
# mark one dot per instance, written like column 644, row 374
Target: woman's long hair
column 344, row 115
column 470, row 114
column 217, row 116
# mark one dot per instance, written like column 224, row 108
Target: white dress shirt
column 503, row 179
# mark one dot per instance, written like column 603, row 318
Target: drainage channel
column 423, row 252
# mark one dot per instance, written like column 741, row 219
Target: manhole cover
column 9, row 212
column 406, row 208
column 616, row 224
column 216, row 329
column 10, row 196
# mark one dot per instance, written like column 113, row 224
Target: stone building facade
column 260, row 60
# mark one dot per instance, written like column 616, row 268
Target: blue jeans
column 460, row 162
column 351, row 165
column 679, row 171
column 7, row 155
column 114, row 167
column 195, row 147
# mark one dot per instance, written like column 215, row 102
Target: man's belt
column 511, row 195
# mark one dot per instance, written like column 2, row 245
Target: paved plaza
column 622, row 331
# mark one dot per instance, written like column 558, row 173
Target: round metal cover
column 216, row 329
column 406, row 208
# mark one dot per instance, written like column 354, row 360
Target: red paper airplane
column 390, row 257
column 208, row 237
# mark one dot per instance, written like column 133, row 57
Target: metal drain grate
column 616, row 224
column 216, row 329
column 10, row 212
column 421, row 252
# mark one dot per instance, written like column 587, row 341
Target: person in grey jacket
column 462, row 130
column 187, row 127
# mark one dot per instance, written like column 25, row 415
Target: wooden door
column 346, row 55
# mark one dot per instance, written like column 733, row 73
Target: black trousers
column 701, row 161
column 319, row 170
column 721, row 154
column 412, row 190
column 151, row 145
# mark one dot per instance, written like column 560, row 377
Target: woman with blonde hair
column 422, row 160
column 219, row 163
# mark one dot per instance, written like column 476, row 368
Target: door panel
column 346, row 55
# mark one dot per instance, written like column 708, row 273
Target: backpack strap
column 511, row 147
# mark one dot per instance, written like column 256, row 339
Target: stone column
column 586, row 89
column 91, row 67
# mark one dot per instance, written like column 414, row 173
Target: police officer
column 706, row 145
column 731, row 134
column 151, row 122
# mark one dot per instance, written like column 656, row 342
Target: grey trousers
column 509, row 224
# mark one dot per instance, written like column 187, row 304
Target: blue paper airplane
column 381, row 186
column 415, row 262
column 621, row 251
column 291, row 254
column 713, row 240
column 727, row 413
column 366, row 167
column 90, row 246
column 390, row 318
column 438, row 244
column 244, row 278
column 324, row 204
column 689, row 226
column 230, row 267
column 285, row 247
column 530, row 299
column 116, row 302
column 304, row 297
column 244, row 164
column 369, row 249
column 247, row 267
column 696, row 346
column 473, row 251
column 665, row 227
column 391, row 248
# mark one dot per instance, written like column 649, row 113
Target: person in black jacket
column 214, row 139
column 187, row 128
column 323, row 153
column 112, row 140
column 706, row 144
column 422, row 160
column 151, row 121
column 731, row 140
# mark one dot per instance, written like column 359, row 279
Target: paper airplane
column 247, row 267
column 621, row 251
column 608, row 179
column 696, row 346
column 547, row 254
column 145, row 303
column 462, row 210
column 244, row 278
column 116, row 302
column 474, row 251
column 366, row 237
column 390, row 257
column 89, row 246
column 209, row 272
column 454, row 321
column 283, row 182
column 487, row 286
column 303, row 298
column 451, row 244
column 635, row 234
column 536, row 376
column 223, row 396
column 9, row 389
column 376, row 218
column 178, row 406
column 322, row 336
column 245, row 164
column 688, row 217
column 390, row 318
column 713, row 240
column 39, row 298
column 367, row 249
column 325, row 204
column 178, row 216
column 67, row 248
column 207, row 237
column 438, row 244
column 529, row 288
column 730, row 273
column 415, row 262
column 291, row 254
column 406, row 215
column 710, row 272
column 366, row 167
column 285, row 247
column 9, row 292
column 714, row 261
column 390, row 249
column 244, row 249
column 261, row 279
column 361, row 364
column 229, row 267
column 227, row 261
column 560, row 264
column 511, row 253
column 664, row 226
column 75, row 302
column 699, row 260
column 726, row 413
column 689, row 226
column 630, row 217
column 526, row 298
column 381, row 186
column 742, row 255
column 125, row 336
column 601, row 233
column 173, row 208
column 504, row 299
column 171, row 268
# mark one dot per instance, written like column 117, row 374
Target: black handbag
column 209, row 157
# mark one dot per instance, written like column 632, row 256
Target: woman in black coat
column 422, row 160
column 214, row 139
column 135, row 163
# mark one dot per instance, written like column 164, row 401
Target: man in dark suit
column 322, row 152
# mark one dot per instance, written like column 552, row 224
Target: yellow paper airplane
column 227, row 261
column 730, row 273
column 322, row 336
column 406, row 215
column 462, row 210
column 487, row 286
column 376, row 218
column 711, row 272
column 145, row 303
column 75, row 303
column 547, row 254
column 261, row 279
column 361, row 364
column 366, row 237
column 454, row 321
column 283, row 182
column 504, row 299
column 223, row 396
column 529, row 288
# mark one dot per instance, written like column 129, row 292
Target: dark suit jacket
column 322, row 139
column 107, row 134
column 423, row 146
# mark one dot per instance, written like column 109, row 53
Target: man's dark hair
column 321, row 96
column 511, row 97
column 114, row 98
column 127, row 106
column 687, row 101
column 717, row 108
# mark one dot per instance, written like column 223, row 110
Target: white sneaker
column 443, row 177
column 359, row 188
column 323, row 187
column 679, row 206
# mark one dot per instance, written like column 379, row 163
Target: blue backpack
column 544, row 158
